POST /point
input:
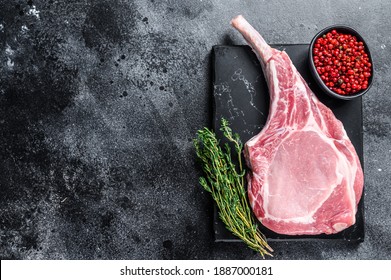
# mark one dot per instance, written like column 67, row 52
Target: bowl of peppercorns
column 340, row 62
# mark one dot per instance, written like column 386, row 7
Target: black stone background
column 99, row 101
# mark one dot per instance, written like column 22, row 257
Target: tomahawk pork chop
column 306, row 177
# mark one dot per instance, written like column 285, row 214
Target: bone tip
column 236, row 19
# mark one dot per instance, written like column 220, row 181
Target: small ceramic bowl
column 345, row 30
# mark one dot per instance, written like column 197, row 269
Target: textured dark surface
column 99, row 101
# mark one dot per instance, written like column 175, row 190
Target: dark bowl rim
column 315, row 73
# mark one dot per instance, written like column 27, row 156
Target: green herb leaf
column 225, row 181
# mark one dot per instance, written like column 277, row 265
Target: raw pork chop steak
column 306, row 177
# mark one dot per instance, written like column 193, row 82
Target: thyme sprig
column 225, row 182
